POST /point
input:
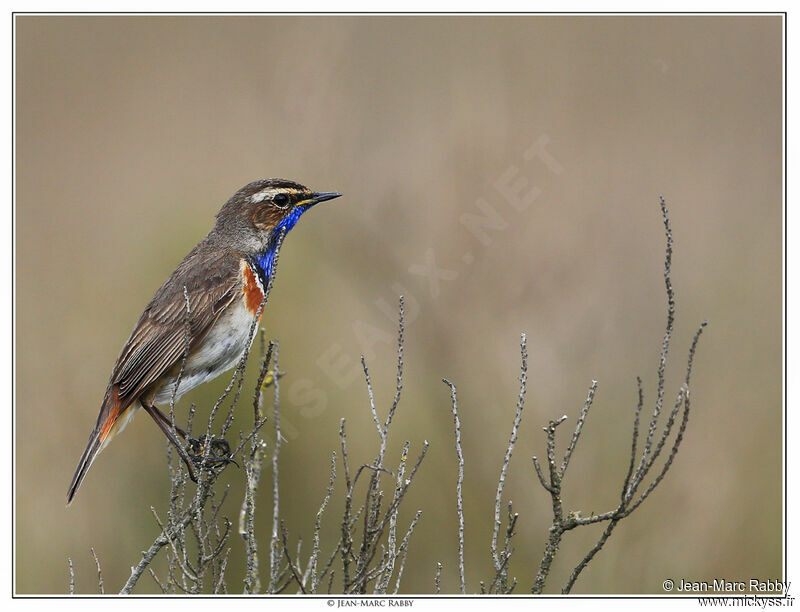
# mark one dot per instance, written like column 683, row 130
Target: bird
column 198, row 324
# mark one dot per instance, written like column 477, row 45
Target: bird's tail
column 108, row 424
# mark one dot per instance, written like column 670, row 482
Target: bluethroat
column 223, row 278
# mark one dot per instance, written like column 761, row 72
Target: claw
column 219, row 451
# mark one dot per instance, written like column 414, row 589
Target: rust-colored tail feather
column 109, row 413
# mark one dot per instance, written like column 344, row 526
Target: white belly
column 220, row 351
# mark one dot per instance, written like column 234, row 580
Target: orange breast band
column 253, row 294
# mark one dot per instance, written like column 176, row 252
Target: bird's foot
column 210, row 452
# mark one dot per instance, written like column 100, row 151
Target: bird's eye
column 281, row 200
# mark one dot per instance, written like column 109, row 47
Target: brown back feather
column 157, row 343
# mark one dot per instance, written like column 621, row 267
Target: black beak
column 322, row 197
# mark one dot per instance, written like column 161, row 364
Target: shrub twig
column 651, row 450
column 459, row 485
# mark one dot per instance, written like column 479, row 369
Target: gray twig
column 157, row 581
column 315, row 551
column 294, row 570
column 498, row 562
column 247, row 518
column 459, row 484
column 99, row 573
column 383, row 584
column 639, row 464
column 252, row 469
column 403, row 550
column 274, row 549
column 71, row 576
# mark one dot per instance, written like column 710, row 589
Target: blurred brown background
column 132, row 131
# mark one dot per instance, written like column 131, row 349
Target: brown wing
column 158, row 341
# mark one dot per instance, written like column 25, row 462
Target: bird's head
column 256, row 215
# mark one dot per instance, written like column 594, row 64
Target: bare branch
column 294, row 570
column 509, row 450
column 637, row 468
column 274, row 551
column 383, row 584
column 459, row 484
column 539, row 473
column 71, row 576
column 312, row 562
column 589, row 556
column 639, row 474
column 252, row 468
column 399, row 382
column 626, row 485
column 220, row 586
column 403, row 550
column 157, row 581
column 99, row 573
column 358, row 582
column 577, row 433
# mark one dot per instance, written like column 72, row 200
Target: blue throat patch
column 266, row 260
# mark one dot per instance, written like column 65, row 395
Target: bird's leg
column 166, row 426
column 164, row 419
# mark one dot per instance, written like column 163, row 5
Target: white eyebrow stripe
column 262, row 195
column 268, row 194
